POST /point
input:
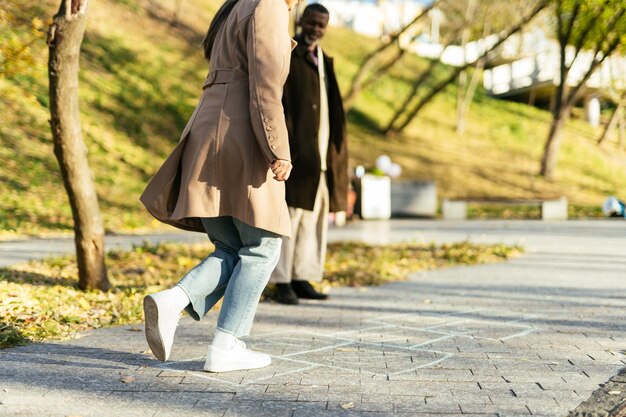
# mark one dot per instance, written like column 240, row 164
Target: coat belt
column 219, row 76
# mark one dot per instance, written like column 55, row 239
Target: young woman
column 226, row 179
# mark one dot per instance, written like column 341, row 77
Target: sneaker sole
column 153, row 336
column 232, row 367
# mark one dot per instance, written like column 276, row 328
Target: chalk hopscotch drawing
column 384, row 347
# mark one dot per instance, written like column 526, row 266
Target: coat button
column 267, row 119
column 270, row 138
column 268, row 128
column 314, row 107
column 273, row 146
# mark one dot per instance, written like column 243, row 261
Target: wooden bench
column 550, row 209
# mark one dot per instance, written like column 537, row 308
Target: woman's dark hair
column 217, row 22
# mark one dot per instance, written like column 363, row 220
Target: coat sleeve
column 268, row 60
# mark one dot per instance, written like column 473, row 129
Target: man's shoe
column 235, row 358
column 161, row 322
column 285, row 294
column 303, row 289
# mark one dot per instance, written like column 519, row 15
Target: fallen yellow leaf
column 348, row 406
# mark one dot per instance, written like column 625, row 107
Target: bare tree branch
column 443, row 84
column 612, row 120
column 573, row 94
column 591, row 23
column 570, row 28
column 367, row 63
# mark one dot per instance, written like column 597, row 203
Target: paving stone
column 449, row 407
column 330, row 413
column 197, row 411
column 344, row 397
column 357, row 406
column 500, row 409
column 248, row 412
column 290, row 406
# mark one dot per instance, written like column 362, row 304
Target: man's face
column 313, row 26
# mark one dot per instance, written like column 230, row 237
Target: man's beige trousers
column 302, row 257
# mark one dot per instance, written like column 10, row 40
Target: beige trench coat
column 221, row 166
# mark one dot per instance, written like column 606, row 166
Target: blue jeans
column 237, row 270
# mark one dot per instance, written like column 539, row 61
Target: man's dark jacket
column 301, row 100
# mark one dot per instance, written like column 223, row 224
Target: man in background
column 319, row 180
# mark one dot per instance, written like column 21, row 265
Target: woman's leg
column 197, row 292
column 206, row 283
column 258, row 257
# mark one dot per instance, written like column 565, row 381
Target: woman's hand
column 281, row 169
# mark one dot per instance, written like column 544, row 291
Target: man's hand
column 281, row 169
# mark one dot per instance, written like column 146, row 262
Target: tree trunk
column 469, row 96
column 460, row 98
column 560, row 110
column 609, row 126
column 621, row 129
column 550, row 151
column 466, row 95
column 64, row 41
column 462, row 78
column 566, row 96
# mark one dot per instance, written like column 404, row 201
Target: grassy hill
column 140, row 79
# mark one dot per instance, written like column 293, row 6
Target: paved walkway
column 535, row 336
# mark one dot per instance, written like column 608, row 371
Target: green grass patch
column 41, row 300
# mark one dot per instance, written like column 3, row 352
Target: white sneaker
column 236, row 358
column 161, row 315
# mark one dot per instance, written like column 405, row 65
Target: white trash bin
column 375, row 197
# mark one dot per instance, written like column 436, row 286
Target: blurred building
column 533, row 70
column 373, row 18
